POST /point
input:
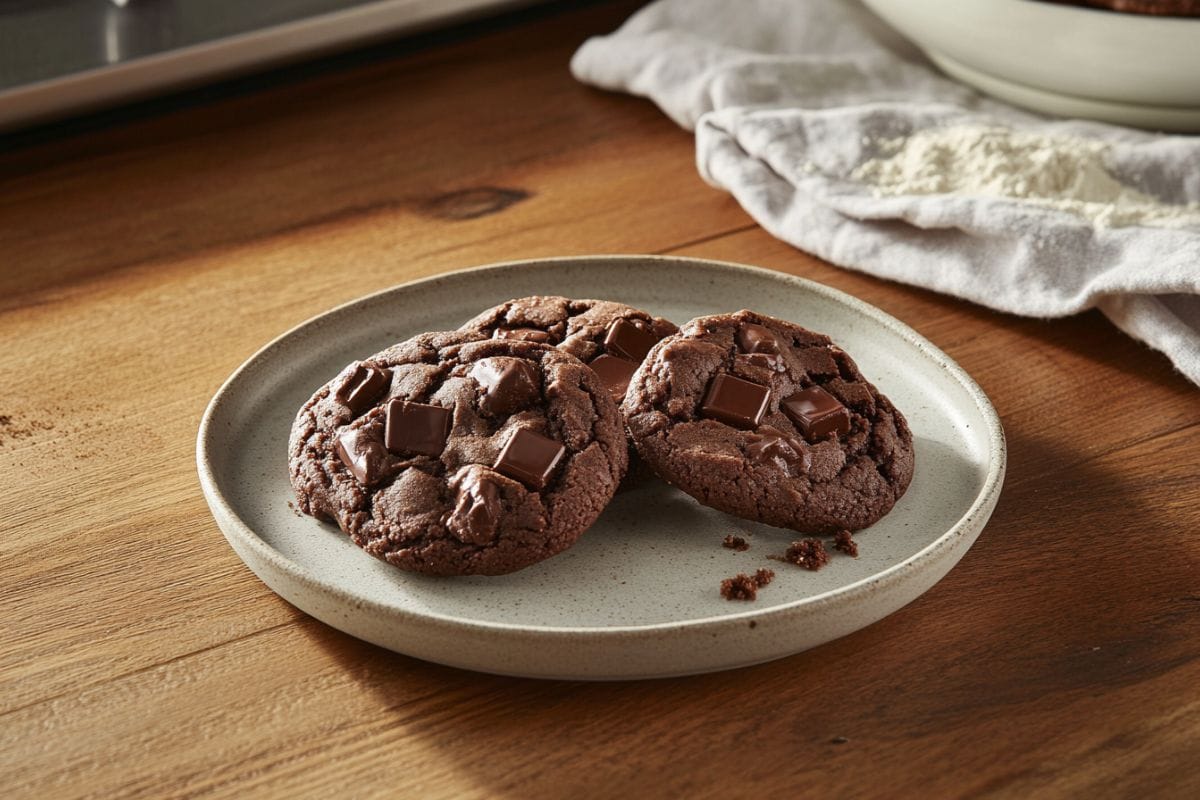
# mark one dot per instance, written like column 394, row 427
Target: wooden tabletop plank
column 436, row 136
column 922, row 681
column 138, row 656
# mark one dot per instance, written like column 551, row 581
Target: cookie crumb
column 844, row 541
column 739, row 587
column 763, row 577
column 807, row 553
column 736, row 543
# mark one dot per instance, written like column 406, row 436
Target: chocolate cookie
column 769, row 421
column 611, row 338
column 449, row 455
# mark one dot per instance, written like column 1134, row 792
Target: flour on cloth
column 829, row 129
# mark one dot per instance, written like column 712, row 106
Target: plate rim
column 983, row 503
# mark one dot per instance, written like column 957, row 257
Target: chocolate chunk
column 416, row 428
column 817, row 413
column 626, row 340
column 363, row 455
column 772, row 446
column 527, row 334
column 363, row 387
column 756, row 339
column 476, row 514
column 530, row 458
column 735, row 402
column 509, row 384
column 614, row 373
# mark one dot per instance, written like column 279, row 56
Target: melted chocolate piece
column 530, row 458
column 735, row 402
column 476, row 514
column 363, row 455
column 626, row 340
column 757, row 339
column 526, row 334
column 772, row 360
column 772, row 446
column 614, row 373
column 509, row 384
column 817, row 413
column 363, row 387
column 416, row 428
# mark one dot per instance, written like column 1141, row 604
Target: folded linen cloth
column 843, row 140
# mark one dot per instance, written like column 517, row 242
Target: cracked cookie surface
column 612, row 338
column 450, row 455
column 766, row 420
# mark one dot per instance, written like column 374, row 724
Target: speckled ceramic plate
column 637, row 596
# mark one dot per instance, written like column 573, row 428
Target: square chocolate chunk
column 626, row 340
column 530, row 458
column 363, row 387
column 416, row 428
column 735, row 402
column 363, row 455
column 817, row 413
column 753, row 338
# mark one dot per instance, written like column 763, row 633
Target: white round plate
column 638, row 595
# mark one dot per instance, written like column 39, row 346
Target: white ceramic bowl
column 1129, row 69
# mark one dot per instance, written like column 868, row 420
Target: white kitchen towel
column 841, row 139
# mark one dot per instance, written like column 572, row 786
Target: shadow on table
column 1076, row 591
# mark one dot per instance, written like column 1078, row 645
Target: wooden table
column 141, row 263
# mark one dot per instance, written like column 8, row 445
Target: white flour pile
column 1055, row 171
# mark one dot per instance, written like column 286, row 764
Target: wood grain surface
column 141, row 263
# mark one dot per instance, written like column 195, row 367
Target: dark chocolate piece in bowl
column 481, row 456
column 767, row 420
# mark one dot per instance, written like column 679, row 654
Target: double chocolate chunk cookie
column 766, row 420
column 611, row 338
column 451, row 455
